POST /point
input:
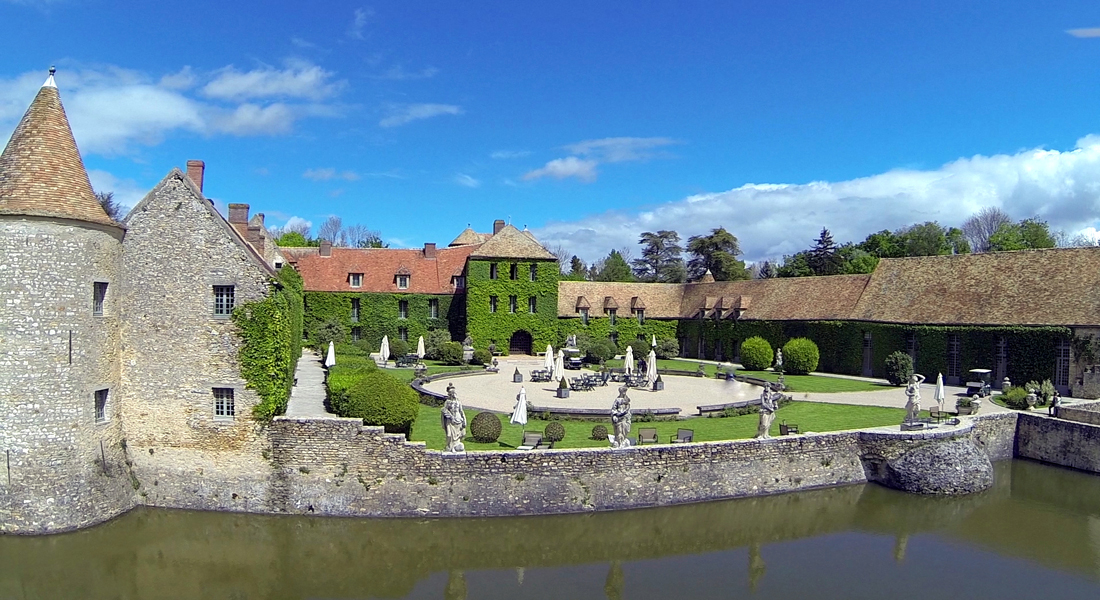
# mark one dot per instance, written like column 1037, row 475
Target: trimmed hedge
column 451, row 353
column 800, row 356
column 756, row 354
column 555, row 432
column 380, row 399
column 899, row 368
column 599, row 432
column 485, row 427
column 481, row 357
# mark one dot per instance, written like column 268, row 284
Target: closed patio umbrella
column 548, row 360
column 940, row 394
column 519, row 413
column 330, row 358
column 651, row 369
column 628, row 362
column 654, row 344
column 559, row 366
column 420, row 348
column 385, row 350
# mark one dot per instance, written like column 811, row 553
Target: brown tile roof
column 41, row 172
column 1028, row 287
column 782, row 299
column 662, row 300
column 510, row 242
column 379, row 266
column 469, row 236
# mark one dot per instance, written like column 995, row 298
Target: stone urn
column 966, row 406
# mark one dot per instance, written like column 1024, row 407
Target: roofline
column 109, row 228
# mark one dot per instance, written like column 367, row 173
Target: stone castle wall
column 1058, row 441
column 59, row 467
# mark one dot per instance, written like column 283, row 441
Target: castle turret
column 62, row 458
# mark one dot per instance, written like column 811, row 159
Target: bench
column 601, row 414
column 710, row 409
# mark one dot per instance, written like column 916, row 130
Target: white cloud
column 619, row 149
column 398, row 73
column 771, row 220
column 252, row 119
column 1088, row 32
column 400, row 114
column 127, row 192
column 300, row 79
column 507, row 154
column 327, row 173
column 359, row 22
column 295, row 222
column 302, row 43
column 183, row 79
column 467, row 181
column 561, row 168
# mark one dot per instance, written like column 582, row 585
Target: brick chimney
column 195, row 169
column 238, row 214
column 497, row 226
column 256, row 238
column 429, row 250
column 326, row 248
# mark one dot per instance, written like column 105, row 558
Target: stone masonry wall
column 995, row 434
column 59, row 467
column 1081, row 413
column 1059, row 442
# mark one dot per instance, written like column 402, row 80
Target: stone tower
column 62, row 456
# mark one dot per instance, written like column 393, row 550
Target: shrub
column 1046, row 391
column 485, row 427
column 668, row 348
column 481, row 357
column 601, row 349
column 451, row 353
column 380, row 399
column 1015, row 398
column 800, row 356
column 641, row 348
column 328, row 331
column 555, row 432
column 599, row 432
column 899, row 368
column 398, row 347
column 756, row 354
column 433, row 343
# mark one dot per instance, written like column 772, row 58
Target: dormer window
column 402, row 282
column 459, row 282
column 640, row 314
column 584, row 315
column 355, row 279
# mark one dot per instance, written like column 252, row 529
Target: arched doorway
column 520, row 343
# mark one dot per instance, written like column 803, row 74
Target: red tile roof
column 379, row 267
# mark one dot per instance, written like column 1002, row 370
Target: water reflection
column 1036, row 531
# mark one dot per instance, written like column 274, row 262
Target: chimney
column 195, row 169
column 238, row 214
column 326, row 248
column 497, row 226
column 256, row 238
column 429, row 250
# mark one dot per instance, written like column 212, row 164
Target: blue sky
column 588, row 122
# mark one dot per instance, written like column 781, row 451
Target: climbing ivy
column 486, row 327
column 271, row 331
column 379, row 314
column 626, row 329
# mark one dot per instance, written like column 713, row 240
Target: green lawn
column 809, row 416
column 350, row 355
column 795, row 383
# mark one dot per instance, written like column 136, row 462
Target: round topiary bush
column 756, row 354
column 800, row 356
column 899, row 368
column 555, row 432
column 668, row 348
column 601, row 349
column 451, row 353
column 398, row 347
column 641, row 348
column 485, row 427
column 599, row 432
column 381, row 399
column 481, row 357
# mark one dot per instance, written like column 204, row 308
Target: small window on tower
column 224, row 407
column 223, row 300
column 99, row 297
column 101, row 406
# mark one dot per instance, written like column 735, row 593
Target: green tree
column 796, row 265
column 883, row 244
column 924, row 239
column 767, row 270
column 112, row 208
column 717, row 252
column 956, row 240
column 660, row 261
column 1028, row 234
column 578, row 271
column 856, row 260
column 823, row 258
column 293, row 239
column 614, row 268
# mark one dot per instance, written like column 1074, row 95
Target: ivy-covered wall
column 379, row 314
column 627, row 329
column 271, row 330
column 486, row 327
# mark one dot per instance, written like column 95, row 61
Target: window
column 101, row 406
column 459, row 282
column 492, row 304
column 640, row 314
column 223, row 300
column 611, row 315
column 953, row 369
column 534, row 271
column 403, row 333
column 532, row 305
column 99, row 296
column 402, row 309
column 584, row 315
column 224, row 407
column 356, row 334
column 1061, row 363
column 513, row 273
column 614, row 337
column 354, row 310
column 356, row 279
column 402, row 282
column 493, row 271
column 512, row 301
column 433, row 308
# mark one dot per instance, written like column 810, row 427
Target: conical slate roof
column 40, row 170
column 467, row 237
column 512, row 243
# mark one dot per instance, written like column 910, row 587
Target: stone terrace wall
column 995, row 434
column 1059, row 442
column 1081, row 413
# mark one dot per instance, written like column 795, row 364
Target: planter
column 517, row 377
column 965, row 410
column 658, row 386
column 563, row 392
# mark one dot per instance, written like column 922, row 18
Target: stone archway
column 520, row 343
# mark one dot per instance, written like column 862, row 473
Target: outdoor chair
column 647, row 435
column 532, row 440
column 683, row 436
column 785, row 429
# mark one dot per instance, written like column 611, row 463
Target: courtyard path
column 307, row 397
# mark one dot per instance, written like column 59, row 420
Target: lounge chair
column 532, row 440
column 682, row 436
column 647, row 435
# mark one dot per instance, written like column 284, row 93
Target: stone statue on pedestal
column 620, row 419
column 779, row 359
column 769, row 403
column 468, row 343
column 912, row 392
column 454, row 422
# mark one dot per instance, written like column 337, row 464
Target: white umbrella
column 559, row 366
column 385, row 350
column 654, row 344
column 548, row 361
column 651, row 369
column 519, row 413
column 940, row 395
column 628, row 362
column 420, row 348
column 330, row 358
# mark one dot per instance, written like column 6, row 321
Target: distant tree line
column 332, row 230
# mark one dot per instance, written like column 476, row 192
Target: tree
column 983, row 224
column 358, row 236
column 559, row 252
column 1028, row 234
column 660, row 261
column 293, row 239
column 614, row 268
column 925, row 239
column 717, row 252
column 956, row 240
column 883, row 244
column 767, row 270
column 577, row 269
column 797, row 265
column 295, row 225
column 823, row 259
column 332, row 230
column 112, row 208
column 856, row 260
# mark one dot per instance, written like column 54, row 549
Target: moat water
column 1036, row 534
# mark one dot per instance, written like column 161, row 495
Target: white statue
column 912, row 391
column 620, row 419
column 454, row 422
column 778, row 359
column 769, row 403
